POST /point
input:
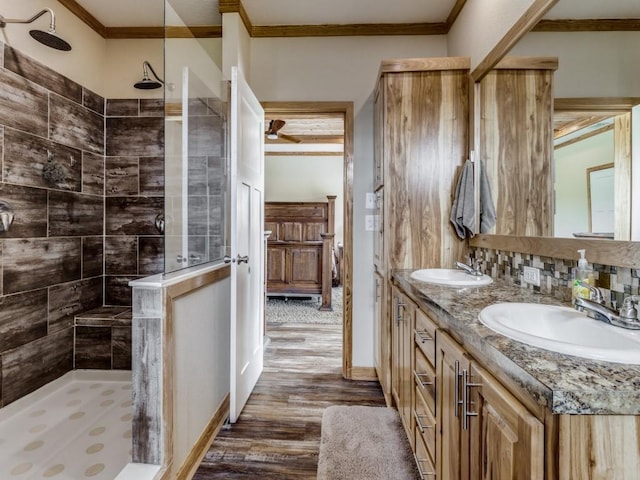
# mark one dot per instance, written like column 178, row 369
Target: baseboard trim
column 197, row 453
column 367, row 374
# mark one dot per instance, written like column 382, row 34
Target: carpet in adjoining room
column 304, row 309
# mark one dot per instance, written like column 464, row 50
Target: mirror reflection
column 596, row 90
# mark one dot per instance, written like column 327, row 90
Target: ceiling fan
column 273, row 129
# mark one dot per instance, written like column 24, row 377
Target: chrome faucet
column 474, row 272
column 626, row 318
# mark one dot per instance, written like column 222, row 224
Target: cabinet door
column 401, row 359
column 507, row 442
column 452, row 445
column 382, row 338
column 379, row 136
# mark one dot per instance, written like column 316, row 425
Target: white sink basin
column 450, row 276
column 563, row 330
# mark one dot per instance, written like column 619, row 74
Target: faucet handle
column 594, row 292
column 628, row 309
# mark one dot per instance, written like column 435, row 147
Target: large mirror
column 596, row 121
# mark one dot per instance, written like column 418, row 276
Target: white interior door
column 247, row 252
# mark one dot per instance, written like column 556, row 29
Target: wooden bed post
column 327, row 264
column 331, row 215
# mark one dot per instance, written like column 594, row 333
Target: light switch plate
column 370, row 200
column 531, row 275
column 370, row 222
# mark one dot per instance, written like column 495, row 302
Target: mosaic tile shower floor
column 78, row 426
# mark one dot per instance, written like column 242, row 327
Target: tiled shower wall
column 556, row 274
column 134, row 189
column 54, row 259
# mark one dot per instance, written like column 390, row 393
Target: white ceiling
column 129, row 13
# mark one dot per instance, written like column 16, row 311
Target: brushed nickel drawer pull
column 419, row 423
column 423, row 335
column 419, row 461
column 466, row 385
column 418, row 377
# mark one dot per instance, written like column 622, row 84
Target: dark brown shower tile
column 150, row 255
column 152, row 176
column 105, row 316
column 75, row 214
column 93, row 101
column 132, row 215
column 121, row 255
column 93, row 348
column 23, row 318
column 117, row 290
column 69, row 299
column 121, row 348
column 75, row 125
column 217, row 179
column 198, row 107
column 197, row 175
column 152, row 107
column 92, row 256
column 205, row 136
column 198, row 220
column 38, row 73
column 122, row 107
column 92, row 173
column 30, row 209
column 36, row 263
column 23, row 105
column 27, row 368
column 217, row 106
column 37, row 162
column 133, row 136
column 121, row 176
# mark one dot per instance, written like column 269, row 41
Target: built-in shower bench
column 103, row 339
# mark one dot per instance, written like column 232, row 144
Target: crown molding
column 589, row 25
column 331, row 30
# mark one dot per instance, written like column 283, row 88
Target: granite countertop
column 563, row 383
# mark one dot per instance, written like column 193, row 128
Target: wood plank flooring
column 278, row 433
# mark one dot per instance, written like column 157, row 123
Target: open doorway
column 304, row 135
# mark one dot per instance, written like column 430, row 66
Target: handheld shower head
column 50, row 38
column 146, row 83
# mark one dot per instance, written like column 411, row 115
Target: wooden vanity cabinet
column 424, row 399
column 421, row 129
column 485, row 432
column 402, row 359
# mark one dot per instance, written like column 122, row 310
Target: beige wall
column 341, row 69
column 481, row 25
column 84, row 63
column 590, row 64
column 306, row 179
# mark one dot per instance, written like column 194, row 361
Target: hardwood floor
column 278, row 433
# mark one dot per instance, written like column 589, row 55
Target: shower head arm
column 52, row 25
column 146, row 65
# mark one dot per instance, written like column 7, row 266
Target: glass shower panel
column 204, row 128
column 195, row 146
column 196, row 176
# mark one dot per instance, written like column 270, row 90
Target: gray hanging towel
column 487, row 208
column 463, row 208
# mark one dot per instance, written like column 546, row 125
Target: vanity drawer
column 424, row 377
column 424, row 461
column 425, row 423
column 424, row 336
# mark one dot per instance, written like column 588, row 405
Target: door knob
column 228, row 259
column 241, row 259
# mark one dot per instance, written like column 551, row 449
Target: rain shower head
column 146, row 83
column 49, row 38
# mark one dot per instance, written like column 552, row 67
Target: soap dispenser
column 584, row 274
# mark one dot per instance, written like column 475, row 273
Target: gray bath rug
column 364, row 443
column 304, row 309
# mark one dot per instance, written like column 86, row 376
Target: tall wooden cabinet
column 421, row 141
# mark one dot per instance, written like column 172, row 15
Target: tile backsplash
column 556, row 274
